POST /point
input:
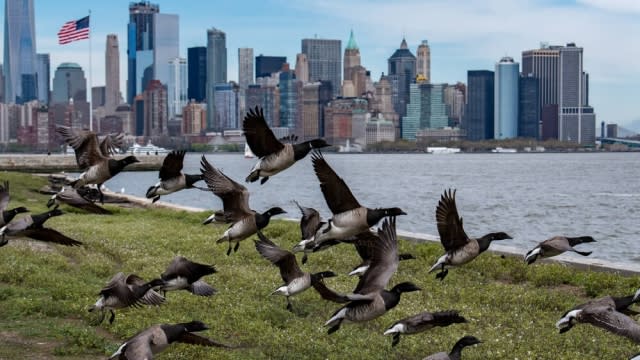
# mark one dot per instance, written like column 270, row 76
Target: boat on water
column 504, row 150
column 148, row 149
column 248, row 154
column 437, row 150
column 348, row 148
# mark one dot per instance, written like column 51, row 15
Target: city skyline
column 470, row 35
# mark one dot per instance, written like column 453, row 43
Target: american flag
column 74, row 30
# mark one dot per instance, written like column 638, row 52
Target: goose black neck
column 623, row 302
column 320, row 275
column 173, row 332
column 192, row 179
column 262, row 220
column 390, row 298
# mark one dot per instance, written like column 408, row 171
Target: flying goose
column 295, row 280
column 556, row 246
column 422, row 322
column 72, row 197
column 460, row 248
column 184, row 274
column 172, row 178
column 124, row 291
column 156, row 338
column 456, row 352
column 309, row 224
column 274, row 155
column 369, row 299
column 235, row 201
column 31, row 226
column 349, row 217
column 364, row 245
column 8, row 215
column 93, row 158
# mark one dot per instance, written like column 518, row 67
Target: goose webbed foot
column 396, row 339
column 112, row 317
column 441, row 275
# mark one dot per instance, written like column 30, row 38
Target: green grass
column 45, row 292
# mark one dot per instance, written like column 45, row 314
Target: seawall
column 584, row 263
column 67, row 162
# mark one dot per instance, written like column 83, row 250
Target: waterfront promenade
column 67, row 162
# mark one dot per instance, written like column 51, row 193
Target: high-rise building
column 267, row 65
column 140, row 46
column 197, row 72
column 529, row 107
column 506, row 99
column 194, row 118
column 478, row 116
column 112, row 74
column 345, row 119
column 324, row 60
column 155, row 109
column 177, row 87
column 402, row 72
column 455, row 98
column 245, row 67
column 351, row 57
column 423, row 61
column 438, row 115
column 411, row 121
column 216, row 72
column 290, row 92
column 166, row 33
column 302, row 68
column 69, row 83
column 265, row 97
column 315, row 97
column 226, row 106
column 20, row 82
column 43, row 71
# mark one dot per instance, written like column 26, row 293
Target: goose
column 295, row 280
column 72, row 197
column 8, row 215
column 235, row 201
column 349, row 217
column 125, row 291
column 156, row 338
column 422, row 322
column 556, row 246
column 309, row 224
column 460, row 248
column 274, row 156
column 618, row 304
column 369, row 299
column 31, row 226
column 456, row 352
column 184, row 274
column 172, row 178
column 364, row 246
column 93, row 158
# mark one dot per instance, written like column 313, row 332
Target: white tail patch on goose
column 397, row 328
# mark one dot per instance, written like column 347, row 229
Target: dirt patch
column 15, row 346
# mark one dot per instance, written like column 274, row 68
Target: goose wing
column 384, row 260
column 71, row 197
column 4, row 196
column 85, row 145
column 118, row 288
column 285, row 260
column 111, row 143
column 606, row 317
column 336, row 192
column 260, row 138
column 172, row 165
column 50, row 235
column 336, row 297
column 181, row 266
column 235, row 197
column 558, row 243
column 139, row 347
column 194, row 339
column 310, row 221
column 452, row 235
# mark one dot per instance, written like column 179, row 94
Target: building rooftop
column 351, row 45
column 69, row 65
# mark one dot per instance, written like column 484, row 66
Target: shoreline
column 31, row 163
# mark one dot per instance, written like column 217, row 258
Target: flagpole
column 90, row 78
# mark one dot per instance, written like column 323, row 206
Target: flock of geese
column 350, row 223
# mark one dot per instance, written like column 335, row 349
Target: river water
column 530, row 196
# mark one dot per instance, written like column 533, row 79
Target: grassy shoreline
column 45, row 291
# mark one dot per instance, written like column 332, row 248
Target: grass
column 45, row 292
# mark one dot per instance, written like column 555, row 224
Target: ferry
column 442, row 150
column 348, row 148
column 504, row 150
column 148, row 149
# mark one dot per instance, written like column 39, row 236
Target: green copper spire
column 351, row 45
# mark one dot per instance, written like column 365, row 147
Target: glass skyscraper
column 216, row 72
column 325, row 61
column 20, row 83
column 197, row 73
column 177, row 86
column 69, row 83
column 402, row 72
column 266, row 65
column 43, row 70
column 478, row 116
column 140, row 45
column 506, row 99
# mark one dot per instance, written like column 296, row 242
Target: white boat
column 348, row 148
column 442, row 150
column 247, row 152
column 148, row 149
column 504, row 150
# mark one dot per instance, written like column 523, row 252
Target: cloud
column 621, row 6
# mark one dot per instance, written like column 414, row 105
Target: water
column 530, row 196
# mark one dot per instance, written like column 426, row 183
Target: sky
column 463, row 35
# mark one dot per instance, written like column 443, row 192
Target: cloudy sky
column 463, row 35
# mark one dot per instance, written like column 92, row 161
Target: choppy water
column 530, row 196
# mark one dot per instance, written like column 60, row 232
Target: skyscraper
column 302, row 68
column 402, row 72
column 529, row 107
column 423, row 61
column 267, row 65
column 290, row 89
column 155, row 109
column 324, row 61
column 69, row 83
column 140, row 45
column 506, row 99
column 478, row 116
column 177, row 87
column 245, row 67
column 197, row 72
column 20, row 84
column 112, row 74
column 166, row 34
column 43, row 71
column 351, row 57
column 216, row 72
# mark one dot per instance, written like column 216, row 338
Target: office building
column 69, row 82
column 267, row 98
column 43, row 74
column 177, row 87
column 197, row 73
column 216, row 73
column 194, row 118
column 506, row 99
column 245, row 67
column 267, row 65
column 423, row 61
column 324, row 59
column 290, row 91
column 402, row 72
column 345, row 119
column 529, row 107
column 154, row 98
column 20, row 81
column 226, row 106
column 112, row 74
column 479, row 113
column 302, row 68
